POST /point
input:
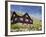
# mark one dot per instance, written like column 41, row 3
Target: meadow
column 20, row 27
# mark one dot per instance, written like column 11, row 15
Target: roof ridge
column 22, row 15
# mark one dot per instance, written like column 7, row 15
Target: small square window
column 11, row 21
column 15, row 19
column 14, row 15
column 26, row 19
column 30, row 21
column 21, row 19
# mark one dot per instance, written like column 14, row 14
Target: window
column 21, row 19
column 26, row 19
column 15, row 19
column 26, row 16
column 14, row 15
column 11, row 21
column 30, row 21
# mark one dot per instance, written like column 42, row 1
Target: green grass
column 36, row 26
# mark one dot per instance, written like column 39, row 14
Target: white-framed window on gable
column 26, row 16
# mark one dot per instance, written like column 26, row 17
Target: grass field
column 36, row 26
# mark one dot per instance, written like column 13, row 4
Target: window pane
column 21, row 19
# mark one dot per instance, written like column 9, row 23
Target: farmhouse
column 22, row 19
